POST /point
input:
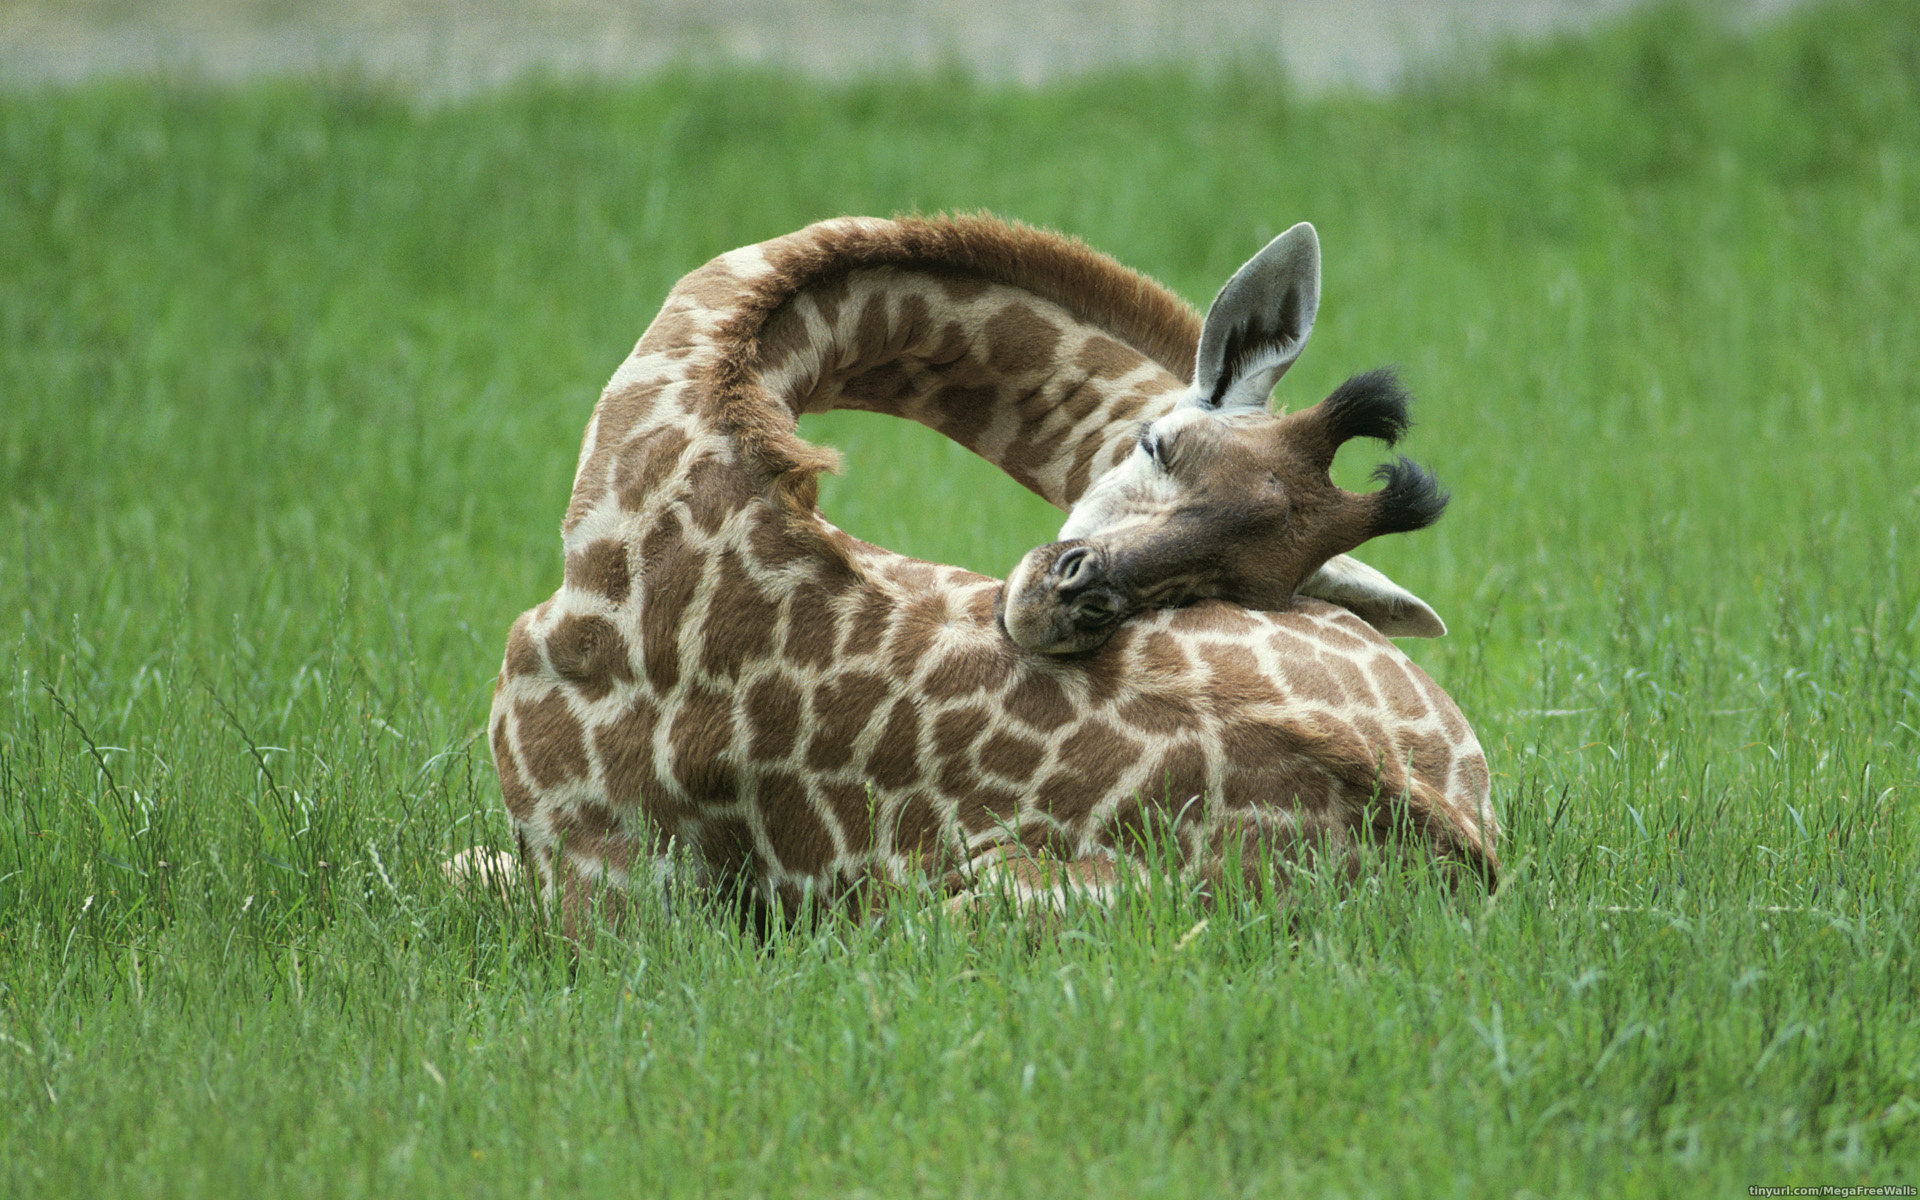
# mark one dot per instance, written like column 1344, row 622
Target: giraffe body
column 808, row 714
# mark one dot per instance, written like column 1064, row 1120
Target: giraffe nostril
column 1074, row 569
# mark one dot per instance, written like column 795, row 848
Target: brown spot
column 727, row 845
column 1161, row 655
column 963, row 412
column 1133, row 829
column 1266, row 766
column 588, row 652
column 957, row 776
column 867, row 629
column 914, row 632
column 1339, row 632
column 717, row 490
column 956, row 729
column 1019, row 340
column 782, row 338
column 585, row 903
column 884, row 388
column 1038, row 700
column 980, row 605
column 853, row 805
column 1307, row 678
column 800, row 840
column 1144, row 393
column 776, row 540
column 1081, row 473
column 701, row 740
column 1098, row 753
column 740, row 623
column 1067, row 796
column 1104, row 358
column 964, row 671
column 1105, row 674
column 842, row 707
column 590, row 830
column 1372, row 736
column 673, row 329
column 942, row 347
column 1288, row 644
column 872, row 330
column 1473, row 771
column 1259, row 745
column 1053, row 846
column 963, row 287
column 1439, row 703
column 1358, row 753
column 983, row 806
column 1180, row 775
column 600, row 567
column 1349, row 679
column 773, row 717
column 810, row 626
column 1012, row 757
column 713, row 286
column 1215, row 617
column 523, row 657
column 895, row 761
column 1162, row 714
column 1237, row 679
column 587, row 485
column 620, row 413
column 513, row 789
column 551, row 740
column 912, row 575
column 625, row 747
column 669, row 574
column 1078, row 402
column 1430, row 759
column 1397, row 687
column 917, row 832
column 647, row 463
column 829, row 296
column 793, row 896
column 614, row 419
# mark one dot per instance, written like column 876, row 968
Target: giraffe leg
column 483, row 872
column 636, row 875
column 1036, row 885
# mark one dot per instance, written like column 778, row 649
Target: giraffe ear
column 1374, row 598
column 1258, row 324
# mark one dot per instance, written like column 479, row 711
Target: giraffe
column 812, row 719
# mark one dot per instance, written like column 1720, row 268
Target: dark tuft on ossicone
column 1373, row 405
column 1412, row 498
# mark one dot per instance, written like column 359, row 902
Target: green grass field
column 292, row 378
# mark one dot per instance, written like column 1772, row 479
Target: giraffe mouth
column 1061, row 599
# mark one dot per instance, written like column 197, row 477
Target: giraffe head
column 1223, row 498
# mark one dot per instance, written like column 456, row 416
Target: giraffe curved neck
column 1049, row 398
column 1027, row 347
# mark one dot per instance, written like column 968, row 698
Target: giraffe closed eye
column 1150, row 446
column 1252, row 514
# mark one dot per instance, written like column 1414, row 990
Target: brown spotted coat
column 804, row 713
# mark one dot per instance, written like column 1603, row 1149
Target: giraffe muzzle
column 1061, row 600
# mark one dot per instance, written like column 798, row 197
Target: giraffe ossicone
column 808, row 718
